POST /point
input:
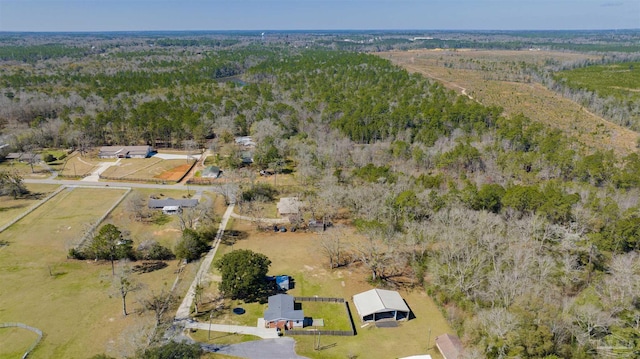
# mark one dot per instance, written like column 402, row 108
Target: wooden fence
column 319, row 299
column 343, row 333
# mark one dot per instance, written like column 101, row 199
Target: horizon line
column 307, row 30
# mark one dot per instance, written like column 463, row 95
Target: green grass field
column 71, row 301
column 15, row 341
column 10, row 208
column 618, row 80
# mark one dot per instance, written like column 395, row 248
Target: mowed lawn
column 299, row 255
column 15, row 341
column 69, row 300
column 11, row 208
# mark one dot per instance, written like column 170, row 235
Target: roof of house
column 211, row 171
column 161, row 203
column 131, row 150
column 289, row 205
column 22, row 156
column 281, row 307
column 449, row 345
column 379, row 301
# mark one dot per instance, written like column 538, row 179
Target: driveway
column 280, row 348
column 262, row 332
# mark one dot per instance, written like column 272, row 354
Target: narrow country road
column 185, row 307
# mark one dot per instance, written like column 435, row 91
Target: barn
column 379, row 304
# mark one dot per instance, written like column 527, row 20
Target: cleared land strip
column 185, row 307
column 32, row 208
column 529, row 98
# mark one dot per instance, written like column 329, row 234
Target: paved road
column 281, row 348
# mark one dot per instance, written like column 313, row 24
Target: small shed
column 281, row 313
column 379, row 304
column 449, row 346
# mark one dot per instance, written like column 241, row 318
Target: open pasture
column 300, row 256
column 10, row 208
column 15, row 341
column 71, row 301
column 499, row 78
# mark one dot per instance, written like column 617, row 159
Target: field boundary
column 32, row 208
column 24, row 326
column 102, row 218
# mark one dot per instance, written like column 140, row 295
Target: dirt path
column 185, row 307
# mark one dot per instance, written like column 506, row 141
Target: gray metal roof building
column 378, row 304
column 182, row 203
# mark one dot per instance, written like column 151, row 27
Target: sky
column 265, row 15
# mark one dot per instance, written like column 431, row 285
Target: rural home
column 449, row 346
column 281, row 313
column 380, row 304
column 125, row 151
column 288, row 206
column 23, row 157
column 170, row 202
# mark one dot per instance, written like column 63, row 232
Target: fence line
column 319, row 299
column 24, row 326
column 32, row 208
column 95, row 225
column 341, row 333
column 128, row 179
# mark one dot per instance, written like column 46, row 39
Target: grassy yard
column 298, row 255
column 15, row 341
column 11, row 208
column 71, row 301
column 78, row 166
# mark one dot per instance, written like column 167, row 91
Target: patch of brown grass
column 479, row 74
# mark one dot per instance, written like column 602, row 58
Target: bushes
column 151, row 250
column 192, row 245
column 262, row 192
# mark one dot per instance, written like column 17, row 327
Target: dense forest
column 528, row 242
